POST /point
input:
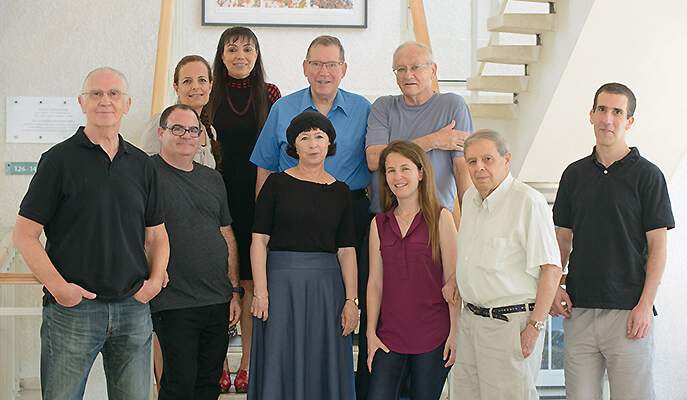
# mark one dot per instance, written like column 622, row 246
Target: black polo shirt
column 94, row 212
column 609, row 211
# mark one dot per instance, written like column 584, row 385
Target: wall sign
column 41, row 119
column 21, row 168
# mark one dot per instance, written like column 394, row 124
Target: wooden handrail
column 164, row 42
column 417, row 12
column 18, row 278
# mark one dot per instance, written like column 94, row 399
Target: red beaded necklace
column 239, row 84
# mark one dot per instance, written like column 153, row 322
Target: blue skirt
column 299, row 353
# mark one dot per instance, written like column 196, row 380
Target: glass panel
column 557, row 343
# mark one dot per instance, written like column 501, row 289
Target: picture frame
column 297, row 13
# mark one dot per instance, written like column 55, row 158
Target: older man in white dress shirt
column 507, row 275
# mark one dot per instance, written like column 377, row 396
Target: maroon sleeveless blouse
column 414, row 317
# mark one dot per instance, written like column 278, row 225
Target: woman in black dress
column 306, row 284
column 239, row 103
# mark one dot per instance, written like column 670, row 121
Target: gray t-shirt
column 392, row 119
column 195, row 208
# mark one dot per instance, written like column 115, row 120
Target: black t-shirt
column 195, row 208
column 94, row 212
column 304, row 216
column 609, row 211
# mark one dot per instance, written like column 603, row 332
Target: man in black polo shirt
column 96, row 197
column 612, row 213
column 192, row 314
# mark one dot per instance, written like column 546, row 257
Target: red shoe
column 241, row 381
column 224, row 382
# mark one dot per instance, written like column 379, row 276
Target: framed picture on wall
column 330, row 13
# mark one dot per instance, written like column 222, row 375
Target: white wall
column 48, row 47
column 634, row 42
column 671, row 324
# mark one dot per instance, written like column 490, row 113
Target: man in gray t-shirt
column 192, row 315
column 439, row 123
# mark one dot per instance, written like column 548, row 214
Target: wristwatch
column 355, row 301
column 239, row 289
column 538, row 325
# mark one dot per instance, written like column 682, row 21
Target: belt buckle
column 491, row 313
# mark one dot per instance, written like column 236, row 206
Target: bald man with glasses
column 97, row 198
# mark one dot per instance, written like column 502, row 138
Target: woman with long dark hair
column 239, row 103
column 411, row 328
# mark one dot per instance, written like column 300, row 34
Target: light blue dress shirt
column 348, row 114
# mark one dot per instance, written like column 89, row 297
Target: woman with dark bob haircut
column 305, row 274
column 239, row 103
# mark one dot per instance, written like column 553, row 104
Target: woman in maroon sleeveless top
column 411, row 329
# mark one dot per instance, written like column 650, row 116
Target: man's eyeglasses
column 330, row 65
column 178, row 130
column 113, row 94
column 403, row 69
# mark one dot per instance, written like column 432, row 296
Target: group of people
column 301, row 215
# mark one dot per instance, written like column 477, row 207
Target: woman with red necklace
column 239, row 103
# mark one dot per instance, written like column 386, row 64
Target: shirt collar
column 496, row 197
column 630, row 157
column 339, row 101
column 83, row 140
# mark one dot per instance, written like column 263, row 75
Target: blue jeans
column 427, row 375
column 71, row 338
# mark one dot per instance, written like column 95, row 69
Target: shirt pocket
column 495, row 253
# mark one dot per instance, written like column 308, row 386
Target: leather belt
column 499, row 312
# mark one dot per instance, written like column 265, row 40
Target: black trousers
column 194, row 344
column 427, row 375
column 362, row 219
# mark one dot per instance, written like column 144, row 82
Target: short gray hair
column 106, row 69
column 488, row 134
column 425, row 48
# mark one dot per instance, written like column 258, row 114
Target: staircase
column 503, row 107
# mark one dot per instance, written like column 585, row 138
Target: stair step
column 493, row 110
column 521, row 23
column 499, row 83
column 509, row 54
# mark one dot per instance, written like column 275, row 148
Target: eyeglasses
column 178, row 130
column 329, row 65
column 403, row 69
column 113, row 94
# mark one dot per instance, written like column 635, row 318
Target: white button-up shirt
column 502, row 242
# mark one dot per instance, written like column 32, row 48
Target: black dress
column 237, row 131
column 299, row 353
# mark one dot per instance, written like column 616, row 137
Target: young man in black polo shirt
column 193, row 313
column 612, row 213
column 96, row 197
